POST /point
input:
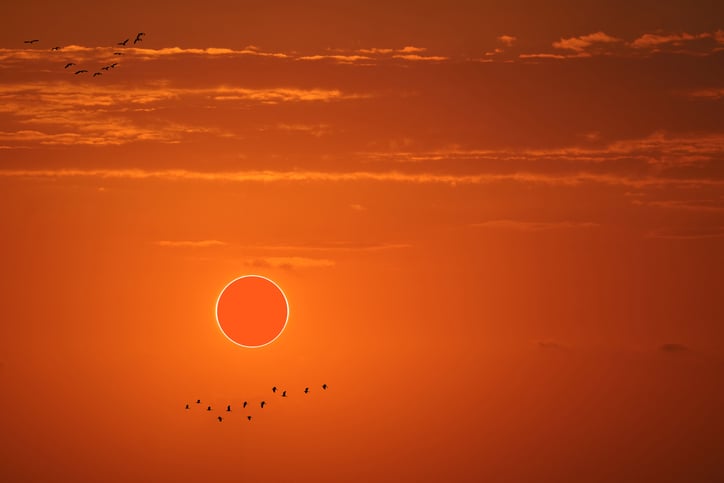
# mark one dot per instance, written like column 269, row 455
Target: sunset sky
column 499, row 227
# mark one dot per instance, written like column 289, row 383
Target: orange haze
column 499, row 226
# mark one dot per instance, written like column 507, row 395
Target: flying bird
column 249, row 418
column 82, row 71
column 138, row 37
column 306, row 390
column 324, row 386
column 69, row 64
column 198, row 401
column 117, row 53
column 56, row 48
column 244, row 404
column 187, row 406
column 105, row 67
column 284, row 393
column 30, row 41
column 219, row 418
column 228, row 408
column 96, row 74
column 123, row 43
column 274, row 389
column 208, row 408
column 113, row 65
column 263, row 403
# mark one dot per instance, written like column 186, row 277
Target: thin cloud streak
column 710, row 206
column 190, row 243
column 356, row 176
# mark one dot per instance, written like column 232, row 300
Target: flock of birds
column 246, row 403
column 107, row 67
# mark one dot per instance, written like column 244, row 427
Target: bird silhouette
column 284, row 393
column 274, row 389
column 56, row 48
column 244, row 405
column 263, row 403
column 96, row 74
column 324, row 386
column 249, row 418
column 187, row 406
column 69, row 64
column 306, row 390
column 30, row 41
column 219, row 418
column 198, row 401
column 113, row 65
column 208, row 408
column 228, row 408
column 82, row 71
column 123, row 43
column 138, row 37
column 105, row 67
column 117, row 53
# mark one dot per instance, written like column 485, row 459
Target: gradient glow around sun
column 252, row 311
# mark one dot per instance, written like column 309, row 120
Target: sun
column 252, row 311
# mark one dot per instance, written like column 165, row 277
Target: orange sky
column 499, row 227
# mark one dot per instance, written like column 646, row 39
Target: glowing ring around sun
column 252, row 311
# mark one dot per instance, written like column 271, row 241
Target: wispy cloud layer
column 81, row 54
column 601, row 43
column 61, row 113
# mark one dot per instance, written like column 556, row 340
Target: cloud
column 657, row 160
column 190, row 243
column 337, row 57
column 81, row 54
column 578, row 55
column 712, row 93
column 61, row 113
column 417, row 57
column 289, row 263
column 110, row 133
column 368, row 56
column 673, row 348
column 316, row 130
column 507, row 40
column 647, row 41
column 532, row 226
column 269, row 176
column 656, row 155
column 411, row 49
column 583, row 42
column 376, row 50
column 707, row 205
column 601, row 43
